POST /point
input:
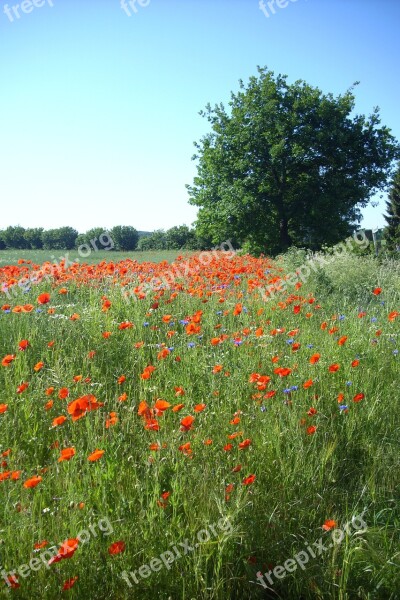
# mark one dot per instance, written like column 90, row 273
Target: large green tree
column 392, row 231
column 288, row 165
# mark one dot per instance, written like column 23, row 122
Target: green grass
column 349, row 466
column 11, row 257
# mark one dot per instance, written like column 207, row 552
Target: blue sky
column 99, row 110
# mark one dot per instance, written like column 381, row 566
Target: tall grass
column 349, row 466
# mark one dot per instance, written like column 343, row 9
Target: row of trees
column 121, row 237
column 175, row 238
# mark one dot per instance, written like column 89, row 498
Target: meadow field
column 210, row 427
column 11, row 257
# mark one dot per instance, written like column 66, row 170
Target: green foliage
column 392, row 232
column 288, row 165
column 176, row 238
column 155, row 241
column 344, row 277
column 34, row 238
column 63, row 238
column 14, row 237
column 180, row 238
column 125, row 237
column 95, row 239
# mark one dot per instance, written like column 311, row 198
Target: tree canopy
column 289, row 165
column 392, row 232
column 125, row 237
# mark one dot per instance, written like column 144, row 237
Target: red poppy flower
column 69, row 583
column 329, row 524
column 21, row 388
column 187, row 423
column 244, row 444
column 314, row 358
column 96, row 455
column 8, row 359
column 32, row 482
column 43, row 298
column 249, row 480
column 23, row 345
column 116, row 547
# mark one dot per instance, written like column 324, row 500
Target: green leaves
column 288, row 166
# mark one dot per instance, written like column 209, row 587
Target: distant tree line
column 120, row 237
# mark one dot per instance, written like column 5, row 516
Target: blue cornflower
column 290, row 341
column 342, row 317
column 146, row 324
column 294, row 388
column 263, row 409
column 183, row 322
column 374, row 320
column 191, row 345
column 343, row 407
column 287, row 391
column 348, row 383
column 395, row 352
column 310, row 345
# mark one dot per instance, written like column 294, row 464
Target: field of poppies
column 185, row 430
